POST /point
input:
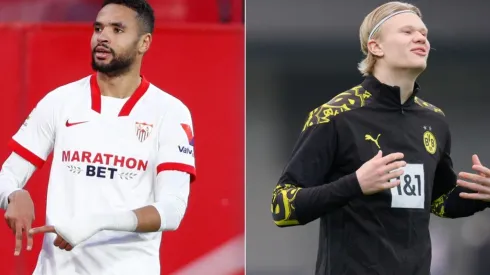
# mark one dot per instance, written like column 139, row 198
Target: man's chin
column 100, row 66
column 421, row 68
column 102, row 63
column 418, row 67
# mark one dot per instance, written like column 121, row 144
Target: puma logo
column 370, row 138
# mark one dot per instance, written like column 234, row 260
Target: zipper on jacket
column 408, row 232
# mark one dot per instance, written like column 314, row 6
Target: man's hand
column 19, row 217
column 375, row 175
column 58, row 242
column 72, row 233
column 81, row 228
column 479, row 183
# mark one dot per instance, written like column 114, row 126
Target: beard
column 120, row 63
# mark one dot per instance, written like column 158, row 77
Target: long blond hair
column 366, row 66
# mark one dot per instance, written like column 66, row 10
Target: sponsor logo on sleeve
column 187, row 149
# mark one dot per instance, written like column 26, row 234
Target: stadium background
column 197, row 55
column 299, row 55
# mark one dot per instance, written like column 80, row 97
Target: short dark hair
column 145, row 12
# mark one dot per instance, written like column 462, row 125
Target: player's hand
column 375, row 175
column 58, row 242
column 19, row 217
column 478, row 182
column 71, row 233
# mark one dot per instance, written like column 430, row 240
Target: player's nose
column 420, row 38
column 102, row 38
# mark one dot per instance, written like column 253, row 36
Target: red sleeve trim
column 26, row 154
column 191, row 170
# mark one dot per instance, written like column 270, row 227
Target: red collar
column 128, row 106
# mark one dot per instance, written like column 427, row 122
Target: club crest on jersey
column 143, row 130
column 430, row 142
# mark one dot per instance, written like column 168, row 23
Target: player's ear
column 375, row 48
column 144, row 43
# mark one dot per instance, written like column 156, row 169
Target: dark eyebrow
column 114, row 24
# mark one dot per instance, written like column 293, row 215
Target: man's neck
column 119, row 86
column 403, row 79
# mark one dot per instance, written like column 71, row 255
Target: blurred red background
column 199, row 61
column 166, row 11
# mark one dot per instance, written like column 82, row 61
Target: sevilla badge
column 143, row 130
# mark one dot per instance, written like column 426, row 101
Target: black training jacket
column 382, row 234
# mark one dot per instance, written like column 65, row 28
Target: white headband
column 384, row 20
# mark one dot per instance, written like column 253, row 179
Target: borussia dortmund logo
column 430, row 142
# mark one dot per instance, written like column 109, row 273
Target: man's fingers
column 30, row 240
column 18, row 238
column 483, row 171
column 392, row 157
column 63, row 244
column 474, row 196
column 389, row 185
column 57, row 241
column 43, row 229
column 394, row 166
column 476, row 159
column 392, row 175
column 474, row 186
column 475, row 178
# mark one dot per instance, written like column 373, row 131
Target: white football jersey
column 107, row 153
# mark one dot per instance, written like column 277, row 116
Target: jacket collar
column 388, row 95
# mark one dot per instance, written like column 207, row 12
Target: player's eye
column 97, row 29
column 118, row 30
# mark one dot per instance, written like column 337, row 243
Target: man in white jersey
column 123, row 159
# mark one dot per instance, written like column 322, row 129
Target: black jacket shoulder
column 433, row 111
column 428, row 106
column 349, row 100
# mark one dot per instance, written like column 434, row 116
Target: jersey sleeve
column 15, row 173
column 171, row 197
column 444, row 179
column 446, row 202
column 34, row 140
column 302, row 193
column 176, row 142
column 312, row 156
